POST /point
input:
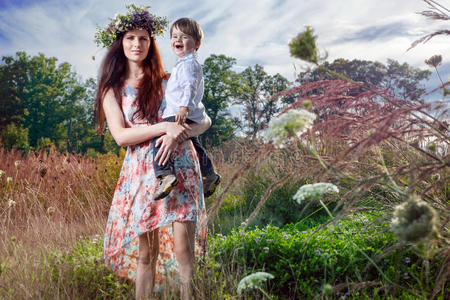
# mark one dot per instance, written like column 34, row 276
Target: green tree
column 220, row 83
column 254, row 93
column 13, row 135
column 402, row 80
column 46, row 99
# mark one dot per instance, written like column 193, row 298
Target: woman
column 130, row 96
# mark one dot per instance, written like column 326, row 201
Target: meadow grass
column 54, row 206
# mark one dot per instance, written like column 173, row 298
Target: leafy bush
column 303, row 260
column 279, row 209
column 83, row 267
column 14, row 136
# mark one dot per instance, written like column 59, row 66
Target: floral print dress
column 134, row 212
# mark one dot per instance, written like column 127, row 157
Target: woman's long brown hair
column 113, row 74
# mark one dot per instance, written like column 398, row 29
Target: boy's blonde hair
column 189, row 26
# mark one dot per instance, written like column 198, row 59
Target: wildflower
column 42, row 169
column 407, row 260
column 9, row 180
column 95, row 238
column 327, row 288
column 304, row 47
column 414, row 221
column 306, row 104
column 434, row 177
column 316, row 190
column 445, row 92
column 288, row 126
column 1, row 173
column 51, row 210
column 434, row 61
column 11, row 203
column 17, row 163
column 370, row 132
column 266, row 249
column 253, row 281
column 431, row 147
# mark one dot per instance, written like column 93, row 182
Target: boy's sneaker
column 210, row 184
column 165, row 185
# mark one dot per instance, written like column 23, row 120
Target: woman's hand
column 178, row 132
column 168, row 145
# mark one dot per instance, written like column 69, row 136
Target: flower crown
column 137, row 17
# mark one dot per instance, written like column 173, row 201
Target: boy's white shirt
column 185, row 88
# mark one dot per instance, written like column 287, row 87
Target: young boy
column 183, row 95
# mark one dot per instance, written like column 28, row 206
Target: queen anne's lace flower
column 414, row 221
column 316, row 190
column 289, row 125
column 253, row 281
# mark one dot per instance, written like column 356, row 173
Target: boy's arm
column 181, row 115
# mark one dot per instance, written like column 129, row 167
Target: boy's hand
column 181, row 116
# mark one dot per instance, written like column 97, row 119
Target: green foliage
column 14, row 136
column 279, row 209
column 254, row 92
column 402, row 79
column 220, row 83
column 304, row 47
column 302, row 261
column 49, row 101
column 83, row 267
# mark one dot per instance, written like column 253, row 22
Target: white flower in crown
column 288, row 126
column 315, row 191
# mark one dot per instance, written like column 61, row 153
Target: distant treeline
column 46, row 104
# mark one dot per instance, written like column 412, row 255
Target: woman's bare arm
column 125, row 136
column 167, row 145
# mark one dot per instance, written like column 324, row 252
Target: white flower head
column 315, row 191
column 288, row 126
column 1, row 173
column 51, row 210
column 11, row 203
column 253, row 281
column 414, row 221
column 9, row 180
column 17, row 163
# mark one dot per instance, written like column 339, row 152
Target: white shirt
column 185, row 88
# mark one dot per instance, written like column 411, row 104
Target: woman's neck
column 134, row 73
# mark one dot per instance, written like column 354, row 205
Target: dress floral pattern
column 133, row 210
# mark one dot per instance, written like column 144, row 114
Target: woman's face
column 136, row 44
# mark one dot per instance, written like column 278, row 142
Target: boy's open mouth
column 179, row 46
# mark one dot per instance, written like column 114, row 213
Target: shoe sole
column 167, row 190
column 212, row 188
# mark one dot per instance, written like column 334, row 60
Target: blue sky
column 252, row 31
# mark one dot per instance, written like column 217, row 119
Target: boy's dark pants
column 206, row 166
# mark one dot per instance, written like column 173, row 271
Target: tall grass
column 377, row 149
column 49, row 200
